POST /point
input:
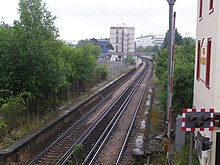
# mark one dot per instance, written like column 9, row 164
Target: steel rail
column 122, row 150
column 87, row 133
column 90, row 158
column 54, row 143
column 100, row 142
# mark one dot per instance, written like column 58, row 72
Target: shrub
column 3, row 128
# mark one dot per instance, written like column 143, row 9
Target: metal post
column 170, row 40
column 191, row 145
column 170, row 69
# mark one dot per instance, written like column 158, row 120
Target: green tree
column 33, row 60
column 12, row 109
column 39, row 50
column 148, row 49
column 110, row 46
column 31, row 54
column 87, row 68
column 37, row 20
column 101, row 72
column 183, row 75
column 130, row 60
column 140, row 49
column 7, row 54
column 178, row 39
column 161, row 61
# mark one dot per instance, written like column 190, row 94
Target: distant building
column 150, row 40
column 207, row 77
column 122, row 39
column 144, row 41
column 158, row 40
column 71, row 42
column 104, row 45
column 131, row 37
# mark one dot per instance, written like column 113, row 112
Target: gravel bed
column 99, row 111
column 112, row 148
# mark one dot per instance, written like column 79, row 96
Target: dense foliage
column 37, row 69
column 183, row 75
column 180, row 157
column 129, row 60
column 178, row 39
column 147, row 49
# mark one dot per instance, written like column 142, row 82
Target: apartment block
column 122, row 39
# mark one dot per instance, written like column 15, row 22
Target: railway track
column 125, row 156
column 111, row 145
column 85, row 129
column 71, row 137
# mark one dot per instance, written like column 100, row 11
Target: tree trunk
column 62, row 94
column 68, row 92
column 72, row 89
column 54, row 100
column 38, row 109
column 27, row 108
column 77, row 87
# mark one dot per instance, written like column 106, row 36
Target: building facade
column 131, row 43
column 104, row 45
column 150, row 40
column 122, row 39
column 207, row 72
column 144, row 41
column 158, row 40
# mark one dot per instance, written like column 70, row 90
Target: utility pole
column 170, row 72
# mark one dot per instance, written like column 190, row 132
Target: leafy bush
column 130, row 60
column 183, row 76
column 3, row 128
column 78, row 153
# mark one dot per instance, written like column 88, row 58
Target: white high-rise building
column 207, row 73
column 130, row 42
column 122, row 39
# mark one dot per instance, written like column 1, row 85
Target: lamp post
column 170, row 72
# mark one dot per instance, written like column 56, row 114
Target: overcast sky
column 85, row 19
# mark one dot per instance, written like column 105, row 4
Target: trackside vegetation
column 39, row 71
column 183, row 76
column 183, row 79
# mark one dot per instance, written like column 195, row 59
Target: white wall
column 208, row 27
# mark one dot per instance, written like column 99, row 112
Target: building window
column 207, row 81
column 200, row 9
column 210, row 4
column 198, row 60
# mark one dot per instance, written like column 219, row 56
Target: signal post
column 198, row 120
